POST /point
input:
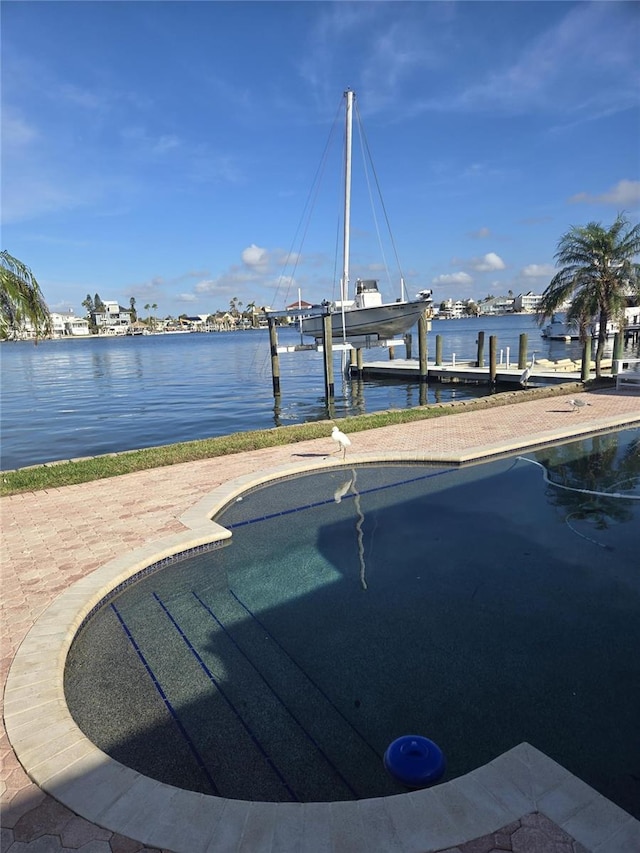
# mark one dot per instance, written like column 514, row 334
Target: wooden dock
column 543, row 373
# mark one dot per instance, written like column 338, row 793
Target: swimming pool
column 479, row 606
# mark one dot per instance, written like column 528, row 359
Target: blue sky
column 166, row 151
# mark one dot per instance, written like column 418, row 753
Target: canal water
column 70, row 398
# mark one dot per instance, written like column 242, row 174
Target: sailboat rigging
column 366, row 314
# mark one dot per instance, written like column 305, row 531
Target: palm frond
column 21, row 299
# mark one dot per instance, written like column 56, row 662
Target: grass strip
column 54, row 475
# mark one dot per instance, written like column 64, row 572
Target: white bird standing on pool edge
column 342, row 440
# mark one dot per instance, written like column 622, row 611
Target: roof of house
column 299, row 304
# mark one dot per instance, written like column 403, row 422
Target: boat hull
column 383, row 321
column 559, row 331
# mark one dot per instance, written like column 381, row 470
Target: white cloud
column 624, row 194
column 481, row 233
column 538, row 271
column 255, row 257
column 257, row 275
column 453, row 278
column 488, row 263
column 145, row 143
column 16, row 132
column 394, row 45
column 591, row 50
column 166, row 143
column 26, row 197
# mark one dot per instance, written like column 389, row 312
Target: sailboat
column 366, row 314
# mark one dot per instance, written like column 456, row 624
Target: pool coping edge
column 68, row 766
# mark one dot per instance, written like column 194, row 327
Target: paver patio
column 53, row 538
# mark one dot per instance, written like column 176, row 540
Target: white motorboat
column 366, row 314
column 560, row 330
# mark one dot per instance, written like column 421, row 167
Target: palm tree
column 597, row 275
column 21, row 300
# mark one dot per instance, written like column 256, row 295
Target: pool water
column 479, row 606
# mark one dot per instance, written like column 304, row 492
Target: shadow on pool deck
column 53, row 539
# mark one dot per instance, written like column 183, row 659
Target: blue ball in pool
column 415, row 761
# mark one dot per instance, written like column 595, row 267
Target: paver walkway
column 53, row 538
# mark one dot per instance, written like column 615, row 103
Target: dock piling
column 439, row 350
column 327, row 348
column 422, row 346
column 493, row 364
column 522, row 352
column 480, row 342
column 275, row 360
column 408, row 344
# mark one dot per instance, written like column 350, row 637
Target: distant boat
column 366, row 314
column 560, row 330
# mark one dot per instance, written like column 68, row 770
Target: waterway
column 66, row 399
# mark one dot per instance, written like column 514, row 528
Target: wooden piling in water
column 275, row 360
column 522, row 351
column 480, row 357
column 422, row 346
column 438, row 350
column 408, row 345
column 327, row 349
column 493, row 360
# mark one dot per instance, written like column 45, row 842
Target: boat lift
column 353, row 346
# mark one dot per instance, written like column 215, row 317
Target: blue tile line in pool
column 274, row 692
column 288, row 655
column 176, row 716
column 167, row 702
column 373, row 489
column 226, row 698
column 315, row 504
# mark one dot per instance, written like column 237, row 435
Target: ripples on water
column 70, row 398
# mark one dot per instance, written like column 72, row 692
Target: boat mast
column 349, row 95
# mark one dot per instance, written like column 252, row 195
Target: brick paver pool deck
column 522, row 802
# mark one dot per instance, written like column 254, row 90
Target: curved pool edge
column 68, row 766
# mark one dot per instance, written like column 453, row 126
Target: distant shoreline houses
column 523, row 303
column 114, row 320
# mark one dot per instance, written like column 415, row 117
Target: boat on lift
column 561, row 330
column 365, row 314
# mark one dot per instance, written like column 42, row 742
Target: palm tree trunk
column 602, row 337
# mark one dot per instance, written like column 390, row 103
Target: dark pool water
column 479, row 606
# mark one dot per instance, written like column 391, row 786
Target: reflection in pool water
column 479, row 606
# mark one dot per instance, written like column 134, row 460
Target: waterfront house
column 112, row 320
column 527, row 302
column 68, row 325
